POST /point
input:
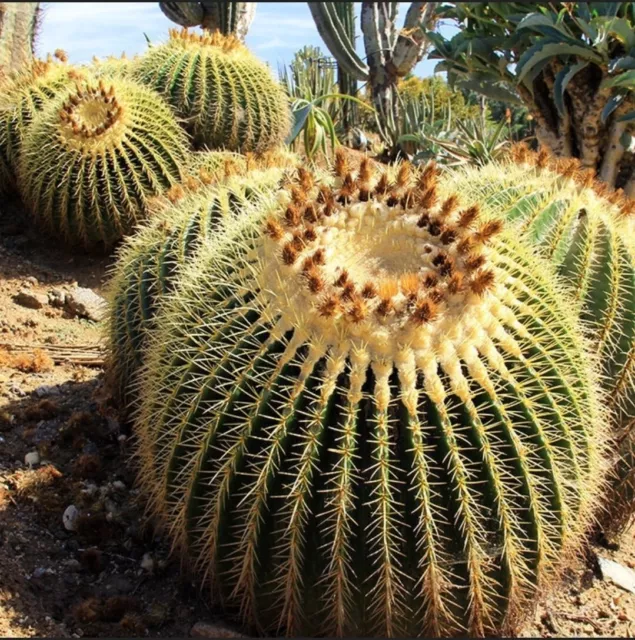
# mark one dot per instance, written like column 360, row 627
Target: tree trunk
column 18, row 23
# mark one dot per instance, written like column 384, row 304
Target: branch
column 412, row 42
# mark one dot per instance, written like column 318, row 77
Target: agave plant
column 571, row 63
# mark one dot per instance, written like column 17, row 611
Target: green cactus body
column 590, row 239
column 96, row 156
column 149, row 261
column 364, row 413
column 110, row 67
column 22, row 97
column 227, row 97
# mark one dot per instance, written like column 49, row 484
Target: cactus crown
column 226, row 42
column 90, row 113
column 396, row 254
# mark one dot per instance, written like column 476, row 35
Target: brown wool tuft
column 403, row 175
column 310, row 235
column 424, row 312
column 482, row 282
column 382, row 185
column 369, row 291
column 292, row 216
column 314, row 280
column 318, row 257
column 341, row 165
column 455, row 284
column 329, row 306
column 468, row 216
column 489, row 230
column 297, row 242
column 348, row 291
column 357, row 311
column 448, row 236
column 449, row 205
column 475, row 262
column 273, row 229
column 430, row 281
column 384, row 307
column 305, row 179
column 428, row 198
column 310, row 214
column 342, row 279
column 409, row 283
column 289, row 254
column 428, row 177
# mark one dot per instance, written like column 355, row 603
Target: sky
column 85, row 29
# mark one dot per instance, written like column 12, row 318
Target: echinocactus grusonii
column 370, row 411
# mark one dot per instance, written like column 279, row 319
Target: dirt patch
column 62, row 444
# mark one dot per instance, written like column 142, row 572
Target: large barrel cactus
column 367, row 410
column 228, row 98
column 94, row 158
column 587, row 231
column 22, row 96
column 149, row 261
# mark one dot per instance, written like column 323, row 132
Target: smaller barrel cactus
column 95, row 156
column 23, row 95
column 149, row 261
column 370, row 410
column 587, row 230
column 110, row 67
column 227, row 97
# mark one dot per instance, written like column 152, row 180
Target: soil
column 113, row 575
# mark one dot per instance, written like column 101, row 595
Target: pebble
column 73, row 565
column 32, row 280
column 46, row 390
column 16, row 391
column 30, row 299
column 147, row 562
column 56, row 298
column 32, row 458
column 85, row 303
column 40, row 572
column 118, row 485
column 70, row 518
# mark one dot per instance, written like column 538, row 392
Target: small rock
column 32, row 458
column 85, row 303
column 16, row 391
column 73, row 565
column 147, row 562
column 618, row 574
column 70, row 518
column 32, row 280
column 214, row 630
column 29, row 299
column 46, row 390
column 40, row 572
column 118, row 485
column 56, row 298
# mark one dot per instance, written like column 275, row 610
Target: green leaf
column 628, row 117
column 546, row 49
column 626, row 79
column 611, row 104
column 299, row 119
column 489, row 90
column 623, row 30
column 563, row 77
column 623, row 63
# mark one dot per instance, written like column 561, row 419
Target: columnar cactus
column 149, row 261
column 18, row 26
column 227, row 97
column 94, row 158
column 226, row 17
column 22, row 96
column 366, row 410
column 587, row 231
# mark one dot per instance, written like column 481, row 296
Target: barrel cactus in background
column 148, row 263
column 587, row 230
column 370, row 411
column 110, row 67
column 22, row 96
column 227, row 97
column 95, row 156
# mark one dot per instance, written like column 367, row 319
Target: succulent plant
column 19, row 22
column 149, row 261
column 23, row 95
column 587, row 230
column 95, row 156
column 110, row 67
column 227, row 96
column 367, row 411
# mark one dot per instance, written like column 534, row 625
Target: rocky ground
column 76, row 558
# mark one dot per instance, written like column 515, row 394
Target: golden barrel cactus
column 227, row 97
column 588, row 232
column 95, row 157
column 368, row 410
column 22, row 96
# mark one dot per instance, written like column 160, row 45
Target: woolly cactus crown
column 94, row 158
column 227, row 97
column 367, row 410
column 22, row 96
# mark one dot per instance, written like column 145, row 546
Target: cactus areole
column 368, row 411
